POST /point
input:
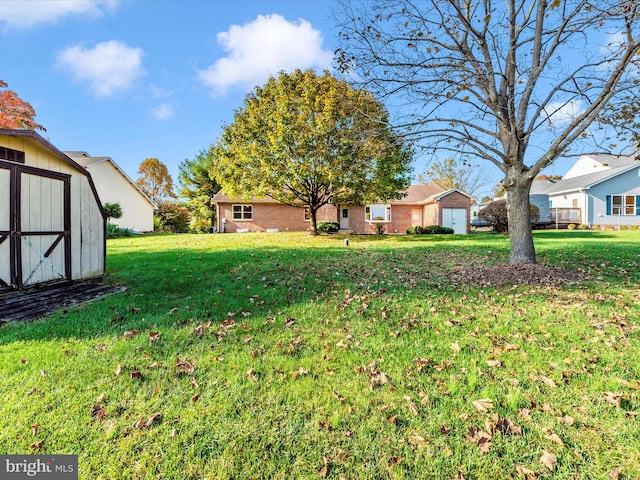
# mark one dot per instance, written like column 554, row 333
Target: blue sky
column 134, row 79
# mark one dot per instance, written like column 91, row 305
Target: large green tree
column 198, row 187
column 155, row 180
column 516, row 83
column 309, row 139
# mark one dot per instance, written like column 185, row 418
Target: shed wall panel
column 4, row 199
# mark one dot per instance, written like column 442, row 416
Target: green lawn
column 285, row 356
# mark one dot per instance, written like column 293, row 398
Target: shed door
column 455, row 218
column 37, row 240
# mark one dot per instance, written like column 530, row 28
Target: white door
column 455, row 218
column 344, row 217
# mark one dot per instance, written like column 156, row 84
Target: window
column 307, row 214
column 345, row 213
column 377, row 213
column 243, row 212
column 623, row 204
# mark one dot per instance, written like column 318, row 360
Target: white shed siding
column 42, row 210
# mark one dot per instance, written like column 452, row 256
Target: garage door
column 455, row 218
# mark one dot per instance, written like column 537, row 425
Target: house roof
column 414, row 195
column 582, row 182
column 86, row 160
column 34, row 136
column 613, row 161
column 419, row 193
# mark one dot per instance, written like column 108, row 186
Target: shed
column 52, row 224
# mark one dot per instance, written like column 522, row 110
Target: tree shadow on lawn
column 176, row 286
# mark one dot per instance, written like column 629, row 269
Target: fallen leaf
column 325, row 466
column 97, row 411
column 549, row 435
column 548, row 460
column 34, row 429
column 455, row 347
column 251, row 375
column 194, row 383
column 526, row 473
column 44, row 373
column 507, row 427
column 494, row 363
column 131, row 333
column 525, row 414
column 184, row 366
column 483, row 405
column 548, row 381
column 119, row 368
column 37, row 445
column 614, row 474
column 411, row 405
column 195, row 397
column 140, row 423
column 300, row 372
column 154, row 336
column 480, row 438
column 613, row 398
column 418, row 440
column 101, row 398
column 24, row 361
column 155, row 418
column 459, row 475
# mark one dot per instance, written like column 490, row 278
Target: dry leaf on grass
column 549, row 460
column 614, row 399
column 480, row 438
column 526, row 473
column 483, row 405
column 549, row 435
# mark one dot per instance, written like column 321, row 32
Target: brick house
column 423, row 205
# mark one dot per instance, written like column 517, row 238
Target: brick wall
column 266, row 216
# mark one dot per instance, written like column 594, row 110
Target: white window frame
column 307, row 214
column 372, row 213
column 242, row 212
column 623, row 208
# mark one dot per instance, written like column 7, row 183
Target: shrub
column 200, row 225
column 437, row 229
column 378, row 228
column 571, row 226
column 113, row 231
column 431, row 229
column 174, row 217
column 328, row 227
column 496, row 214
column 583, row 226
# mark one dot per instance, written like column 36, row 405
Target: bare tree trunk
column 520, row 235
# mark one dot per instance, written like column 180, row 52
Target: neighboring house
column 114, row 186
column 422, row 205
column 52, row 225
column 597, row 190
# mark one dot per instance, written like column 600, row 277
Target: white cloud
column 262, row 48
column 108, row 67
column 559, row 114
column 163, row 111
column 25, row 14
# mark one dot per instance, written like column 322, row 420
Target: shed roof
column 35, row 137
